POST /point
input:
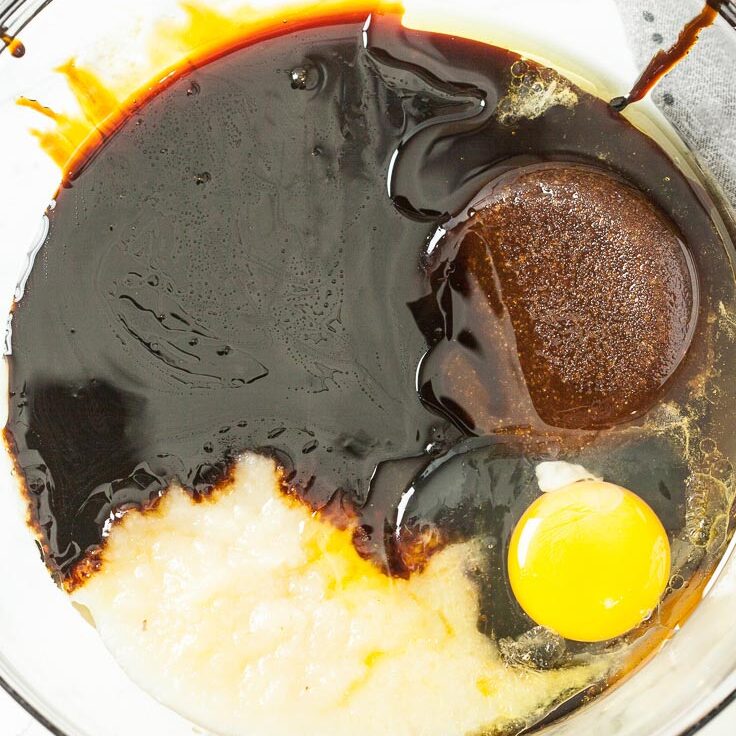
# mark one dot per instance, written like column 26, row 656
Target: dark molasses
column 666, row 59
column 249, row 267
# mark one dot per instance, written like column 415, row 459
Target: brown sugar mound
column 598, row 285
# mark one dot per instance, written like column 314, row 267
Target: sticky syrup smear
column 664, row 61
column 205, row 35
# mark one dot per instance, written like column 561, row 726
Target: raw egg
column 590, row 560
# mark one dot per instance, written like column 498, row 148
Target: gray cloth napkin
column 699, row 95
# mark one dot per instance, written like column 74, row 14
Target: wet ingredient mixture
column 402, row 272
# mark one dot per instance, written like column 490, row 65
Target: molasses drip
column 14, row 45
column 664, row 61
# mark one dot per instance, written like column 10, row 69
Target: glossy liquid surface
column 245, row 265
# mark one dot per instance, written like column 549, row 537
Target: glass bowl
column 51, row 661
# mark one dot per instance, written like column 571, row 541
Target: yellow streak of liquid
column 173, row 49
column 96, row 102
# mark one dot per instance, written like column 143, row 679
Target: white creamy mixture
column 253, row 617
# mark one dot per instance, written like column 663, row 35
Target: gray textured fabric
column 699, row 95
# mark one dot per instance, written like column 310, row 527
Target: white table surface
column 14, row 721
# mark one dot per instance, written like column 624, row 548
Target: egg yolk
column 590, row 560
